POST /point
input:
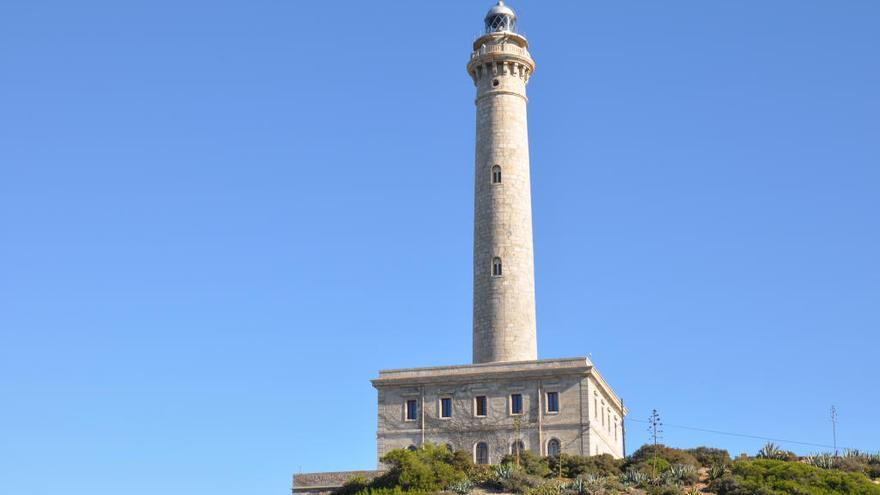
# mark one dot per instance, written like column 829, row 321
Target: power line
column 743, row 435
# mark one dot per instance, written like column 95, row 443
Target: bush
column 531, row 463
column 354, row 485
column 548, row 487
column 671, row 455
column 429, row 468
column 520, row 482
column 708, row 456
column 392, row 491
column 774, row 477
column 651, row 468
column 573, row 466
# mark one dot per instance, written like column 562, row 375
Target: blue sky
column 220, row 219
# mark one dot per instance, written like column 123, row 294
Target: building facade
column 492, row 409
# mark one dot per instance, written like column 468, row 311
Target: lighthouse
column 504, row 327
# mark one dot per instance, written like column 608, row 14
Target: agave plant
column 578, row 486
column 504, row 471
column 679, row 474
column 823, row 460
column 462, row 487
column 586, row 484
column 634, row 477
column 717, row 471
column 771, row 451
column 693, row 491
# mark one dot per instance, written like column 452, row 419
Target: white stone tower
column 504, row 273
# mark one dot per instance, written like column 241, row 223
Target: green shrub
column 573, row 466
column 652, row 468
column 392, row 491
column 774, row 477
column 520, row 482
column 708, row 456
column 429, row 468
column 531, row 463
column 671, row 455
column 354, row 485
column 548, row 487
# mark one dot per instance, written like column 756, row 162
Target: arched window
column 496, row 267
column 481, row 453
column 496, row 174
column 412, row 448
column 517, row 447
column 554, row 448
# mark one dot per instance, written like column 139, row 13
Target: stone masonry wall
column 504, row 306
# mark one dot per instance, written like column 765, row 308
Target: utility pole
column 517, row 425
column 655, row 429
column 834, row 427
column 623, row 426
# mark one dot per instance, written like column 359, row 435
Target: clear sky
column 220, row 219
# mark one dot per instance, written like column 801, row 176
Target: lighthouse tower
column 507, row 401
column 504, row 272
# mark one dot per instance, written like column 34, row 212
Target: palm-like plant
column 771, row 451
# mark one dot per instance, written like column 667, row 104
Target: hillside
column 650, row 470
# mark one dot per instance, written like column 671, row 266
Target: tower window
column 496, row 174
column 552, row 402
column 496, row 267
column 480, row 406
column 495, row 83
column 516, row 404
column 412, row 410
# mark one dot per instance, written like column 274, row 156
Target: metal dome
column 500, row 9
column 500, row 18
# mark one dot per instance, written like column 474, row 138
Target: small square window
column 446, row 407
column 516, row 404
column 552, row 402
column 481, row 406
column 412, row 410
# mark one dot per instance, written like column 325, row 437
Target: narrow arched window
column 496, row 174
column 553, row 447
column 481, row 453
column 496, row 267
column 517, row 447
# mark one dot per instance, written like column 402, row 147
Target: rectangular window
column 516, row 405
column 552, row 402
column 446, row 407
column 481, row 406
column 412, row 410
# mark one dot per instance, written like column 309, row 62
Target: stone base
column 587, row 421
column 326, row 483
